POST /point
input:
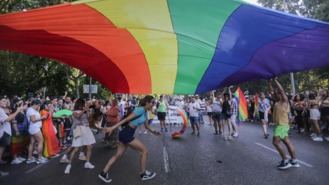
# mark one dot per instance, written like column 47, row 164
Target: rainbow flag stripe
column 243, row 105
column 168, row 46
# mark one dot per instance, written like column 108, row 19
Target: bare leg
column 197, row 127
column 209, row 118
column 264, row 124
column 120, row 151
column 89, row 151
column 317, row 129
column 31, row 146
column 221, row 123
column 276, row 143
column 223, row 128
column 234, row 125
column 216, row 126
column 75, row 150
column 39, row 138
column 291, row 148
column 230, row 128
column 140, row 147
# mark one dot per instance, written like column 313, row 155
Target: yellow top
column 280, row 113
column 150, row 115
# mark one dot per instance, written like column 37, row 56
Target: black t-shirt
column 226, row 107
column 20, row 118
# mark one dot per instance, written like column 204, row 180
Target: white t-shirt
column 180, row 104
column 32, row 112
column 217, row 106
column 209, row 108
column 122, row 106
column 194, row 109
column 4, row 125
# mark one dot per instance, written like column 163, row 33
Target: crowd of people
column 309, row 112
column 31, row 122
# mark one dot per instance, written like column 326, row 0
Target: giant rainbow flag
column 243, row 105
column 169, row 46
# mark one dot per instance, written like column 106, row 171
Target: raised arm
column 230, row 92
column 12, row 116
column 270, row 87
column 282, row 92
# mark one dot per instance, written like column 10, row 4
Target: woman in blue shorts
column 126, row 138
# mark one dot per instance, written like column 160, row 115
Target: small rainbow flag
column 243, row 106
column 256, row 107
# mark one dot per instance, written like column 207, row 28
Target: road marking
column 268, row 148
column 34, row 168
column 165, row 154
column 166, row 159
column 40, row 165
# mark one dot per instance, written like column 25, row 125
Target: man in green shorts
column 281, row 129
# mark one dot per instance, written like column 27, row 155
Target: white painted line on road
column 34, row 168
column 40, row 165
column 271, row 149
column 165, row 159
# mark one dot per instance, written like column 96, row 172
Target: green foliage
column 21, row 73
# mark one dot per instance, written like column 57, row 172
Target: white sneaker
column 147, row 175
column 21, row 159
column 16, row 161
column 64, row 159
column 318, row 138
column 55, row 156
column 313, row 135
column 42, row 161
column 235, row 135
column 30, row 161
column 82, row 156
column 326, row 138
column 67, row 169
column 88, row 165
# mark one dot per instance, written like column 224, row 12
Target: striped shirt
column 264, row 105
column 235, row 106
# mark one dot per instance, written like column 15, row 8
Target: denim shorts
column 5, row 140
column 126, row 135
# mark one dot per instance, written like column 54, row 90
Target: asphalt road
column 192, row 160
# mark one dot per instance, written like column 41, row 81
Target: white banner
column 172, row 116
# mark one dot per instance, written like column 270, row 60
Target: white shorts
column 315, row 114
column 86, row 138
column 33, row 129
column 233, row 118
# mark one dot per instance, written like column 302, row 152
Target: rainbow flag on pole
column 243, row 106
column 256, row 107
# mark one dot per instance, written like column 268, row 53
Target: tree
column 21, row 73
